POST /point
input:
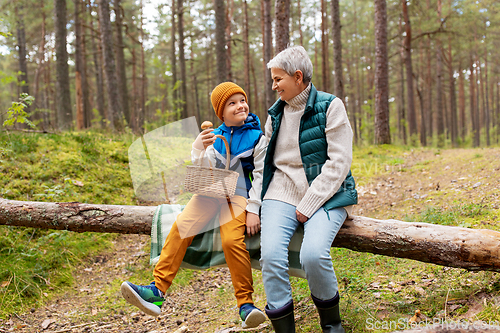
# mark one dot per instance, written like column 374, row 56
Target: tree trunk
column 337, row 52
column 220, row 40
column 229, row 39
column 21, row 44
column 194, row 75
column 382, row 130
column 325, row 68
column 352, row 97
column 114, row 114
column 400, row 101
column 471, row 249
column 79, row 74
column 412, row 117
column 498, row 111
column 39, row 96
column 63, row 99
column 473, row 111
column 173, row 61
column 299, row 20
column 487, row 121
column 268, row 51
column 180, row 28
column 142, row 112
column 246, row 55
column 428, row 100
column 439, row 86
column 461, row 103
column 120, row 60
column 423, row 132
column 282, row 24
column 99, row 90
column 453, row 94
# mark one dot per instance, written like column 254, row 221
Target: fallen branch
column 471, row 249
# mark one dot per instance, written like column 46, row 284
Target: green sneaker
column 147, row 298
column 251, row 316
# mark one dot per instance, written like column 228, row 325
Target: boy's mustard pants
column 197, row 213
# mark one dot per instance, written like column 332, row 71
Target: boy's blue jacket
column 242, row 141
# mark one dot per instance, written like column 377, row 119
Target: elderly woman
column 306, row 183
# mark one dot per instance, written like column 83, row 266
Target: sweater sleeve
column 339, row 140
column 268, row 130
column 196, row 155
column 259, row 154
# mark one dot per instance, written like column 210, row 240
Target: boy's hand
column 253, row 224
column 205, row 138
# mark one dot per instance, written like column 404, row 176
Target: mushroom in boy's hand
column 206, row 124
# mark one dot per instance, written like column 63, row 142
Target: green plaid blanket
column 206, row 249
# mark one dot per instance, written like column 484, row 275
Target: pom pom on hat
column 221, row 94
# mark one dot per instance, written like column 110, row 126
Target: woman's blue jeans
column 279, row 222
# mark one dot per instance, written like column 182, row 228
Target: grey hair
column 293, row 59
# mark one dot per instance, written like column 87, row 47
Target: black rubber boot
column 282, row 319
column 329, row 314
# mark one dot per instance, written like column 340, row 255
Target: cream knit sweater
column 289, row 183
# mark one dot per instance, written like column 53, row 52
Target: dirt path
column 206, row 304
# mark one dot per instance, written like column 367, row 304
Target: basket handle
column 228, row 158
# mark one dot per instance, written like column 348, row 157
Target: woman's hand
column 253, row 224
column 204, row 139
column 301, row 217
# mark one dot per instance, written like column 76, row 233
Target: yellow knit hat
column 221, row 94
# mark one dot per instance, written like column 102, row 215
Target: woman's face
column 287, row 86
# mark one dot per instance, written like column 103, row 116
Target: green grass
column 86, row 167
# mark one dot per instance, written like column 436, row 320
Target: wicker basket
column 210, row 181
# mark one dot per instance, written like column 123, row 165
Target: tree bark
column 382, row 130
column 428, row 100
column 180, row 28
column 21, row 44
column 63, row 99
column 461, row 103
column 473, row 112
column 81, row 99
column 282, row 24
column 173, row 61
column 39, row 96
column 412, row 117
column 220, row 40
column 439, row 85
column 338, row 85
column 400, row 101
column 325, row 68
column 246, row 55
column 98, row 69
column 487, row 120
column 471, row 249
column 141, row 115
column 114, row 114
column 268, row 51
column 229, row 38
column 120, row 60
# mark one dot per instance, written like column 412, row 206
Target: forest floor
column 202, row 301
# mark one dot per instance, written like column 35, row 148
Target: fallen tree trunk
column 471, row 249
column 79, row 217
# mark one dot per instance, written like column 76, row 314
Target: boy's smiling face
column 236, row 110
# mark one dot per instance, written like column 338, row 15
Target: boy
column 248, row 148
